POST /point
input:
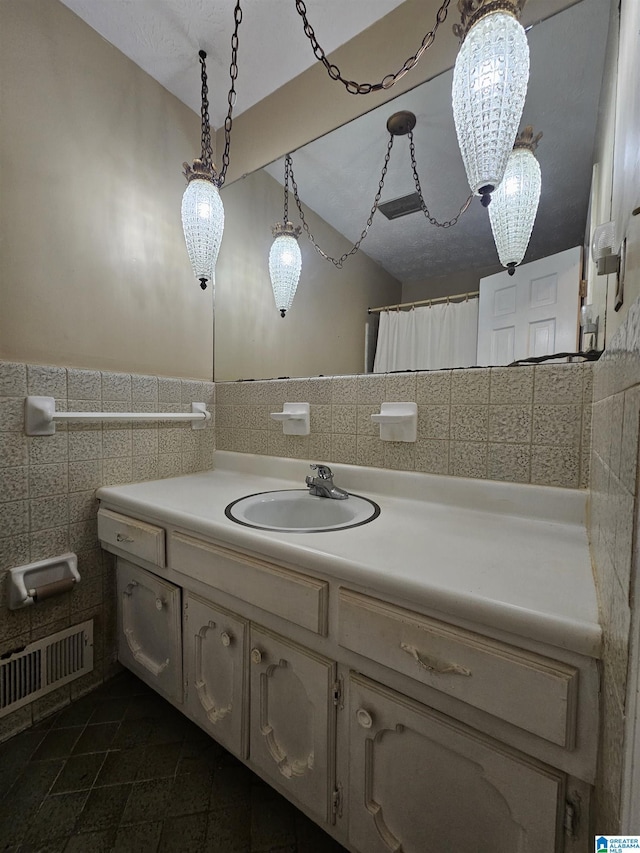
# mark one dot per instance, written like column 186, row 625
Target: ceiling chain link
column 449, row 222
column 231, row 97
column 338, row 262
column 390, row 79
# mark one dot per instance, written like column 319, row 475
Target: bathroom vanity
column 426, row 681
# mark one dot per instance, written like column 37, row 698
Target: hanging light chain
column 287, row 169
column 391, row 79
column 206, row 156
column 338, row 262
column 448, row 223
column 231, row 97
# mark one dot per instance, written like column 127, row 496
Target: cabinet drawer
column 293, row 596
column 535, row 693
column 131, row 536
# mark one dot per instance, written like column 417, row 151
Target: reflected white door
column 531, row 313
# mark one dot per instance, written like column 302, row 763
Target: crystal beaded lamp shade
column 489, row 87
column 203, row 224
column 285, row 264
column 513, row 209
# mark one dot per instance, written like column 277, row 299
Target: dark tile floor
column 122, row 770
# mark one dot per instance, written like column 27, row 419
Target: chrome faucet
column 323, row 486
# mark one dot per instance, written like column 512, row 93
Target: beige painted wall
column 323, row 333
column 94, row 271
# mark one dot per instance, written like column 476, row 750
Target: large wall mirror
column 407, row 258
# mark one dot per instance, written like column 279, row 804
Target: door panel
column 532, row 313
column 149, row 636
column 217, row 674
column 433, row 784
column 293, row 718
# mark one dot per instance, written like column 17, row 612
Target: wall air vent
column 403, row 206
column 43, row 666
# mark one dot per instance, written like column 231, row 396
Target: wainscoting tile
column 116, row 387
column 344, row 449
column 320, row 447
column 344, row 419
column 470, row 387
column 511, row 462
column 510, row 424
column 13, row 379
column 555, row 466
column 371, row 389
column 468, row 459
column 84, row 385
column 400, row 388
column 433, row 422
column 369, row 450
column 432, row 457
column 469, row 423
column 46, row 381
column 13, row 449
column 556, row 384
column 511, row 386
column 557, row 425
column 434, row 388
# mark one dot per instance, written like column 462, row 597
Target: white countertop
column 508, row 556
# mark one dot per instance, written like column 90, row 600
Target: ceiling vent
column 398, row 207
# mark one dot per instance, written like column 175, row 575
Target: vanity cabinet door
column 149, row 636
column 293, row 719
column 215, row 645
column 420, row 781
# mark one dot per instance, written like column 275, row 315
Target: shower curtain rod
column 459, row 296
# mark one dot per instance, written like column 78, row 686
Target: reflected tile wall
column 47, row 488
column 612, row 527
column 522, row 424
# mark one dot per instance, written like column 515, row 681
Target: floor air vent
column 45, row 665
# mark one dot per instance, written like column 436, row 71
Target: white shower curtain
column 428, row 338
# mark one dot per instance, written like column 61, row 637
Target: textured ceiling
column 338, row 175
column 163, row 37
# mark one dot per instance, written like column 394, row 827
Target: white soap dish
column 398, row 421
column 294, row 418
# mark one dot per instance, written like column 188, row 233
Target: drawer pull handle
column 364, row 718
column 121, row 538
column 130, row 587
column 225, row 639
column 256, row 656
column 159, row 603
column 437, row 667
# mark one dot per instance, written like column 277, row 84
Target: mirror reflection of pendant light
column 285, row 259
column 202, row 210
column 489, row 87
column 515, row 203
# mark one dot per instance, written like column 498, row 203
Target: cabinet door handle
column 364, row 718
column 121, row 538
column 130, row 587
column 159, row 603
column 437, row 667
column 225, row 639
column 256, row 656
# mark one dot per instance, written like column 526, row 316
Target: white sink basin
column 296, row 511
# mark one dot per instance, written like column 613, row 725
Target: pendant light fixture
column 285, row 259
column 515, row 202
column 202, row 210
column 489, row 87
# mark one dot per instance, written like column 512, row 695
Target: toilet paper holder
column 35, row 582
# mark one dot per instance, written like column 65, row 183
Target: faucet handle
column 324, row 472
